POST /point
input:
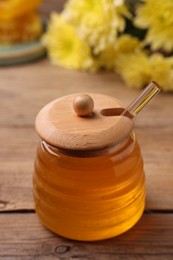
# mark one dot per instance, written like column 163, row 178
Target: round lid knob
column 77, row 122
column 83, row 105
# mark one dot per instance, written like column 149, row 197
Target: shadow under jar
column 87, row 190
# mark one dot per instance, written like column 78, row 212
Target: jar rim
column 114, row 148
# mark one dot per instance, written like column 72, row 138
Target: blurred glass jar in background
column 19, row 21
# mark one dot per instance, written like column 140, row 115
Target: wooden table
column 23, row 91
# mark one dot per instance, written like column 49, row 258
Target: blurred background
column 92, row 36
column 49, row 5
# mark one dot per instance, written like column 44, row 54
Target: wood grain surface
column 25, row 238
column 24, row 90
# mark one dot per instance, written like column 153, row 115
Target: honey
column 89, row 182
column 89, row 198
column 19, row 21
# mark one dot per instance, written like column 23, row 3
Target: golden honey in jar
column 19, row 21
column 88, row 182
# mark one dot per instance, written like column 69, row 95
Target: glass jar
column 88, row 197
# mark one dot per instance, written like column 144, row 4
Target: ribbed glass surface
column 89, row 198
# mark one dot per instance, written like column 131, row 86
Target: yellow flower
column 109, row 56
column 134, row 68
column 137, row 68
column 156, row 16
column 132, row 62
column 162, row 70
column 106, row 58
column 64, row 46
column 97, row 21
column 128, row 44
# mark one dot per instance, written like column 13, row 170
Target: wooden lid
column 59, row 125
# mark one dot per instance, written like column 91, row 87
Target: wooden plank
column 18, row 146
column 25, row 238
column 25, row 89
